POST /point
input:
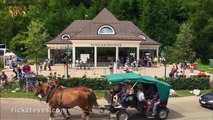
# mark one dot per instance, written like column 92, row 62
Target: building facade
column 101, row 41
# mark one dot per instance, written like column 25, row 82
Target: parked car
column 21, row 59
column 206, row 100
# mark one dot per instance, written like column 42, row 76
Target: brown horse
column 68, row 98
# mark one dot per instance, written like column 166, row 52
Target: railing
column 103, row 64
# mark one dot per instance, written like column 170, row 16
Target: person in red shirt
column 201, row 74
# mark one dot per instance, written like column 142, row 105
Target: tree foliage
column 36, row 37
column 181, row 49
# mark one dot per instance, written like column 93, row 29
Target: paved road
column 186, row 108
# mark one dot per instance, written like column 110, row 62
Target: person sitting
column 141, row 98
column 140, row 95
column 155, row 104
column 122, row 96
column 151, row 103
column 201, row 74
column 126, row 68
column 180, row 74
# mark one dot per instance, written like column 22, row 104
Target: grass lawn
column 30, row 94
column 99, row 94
column 21, row 94
column 184, row 93
column 205, row 68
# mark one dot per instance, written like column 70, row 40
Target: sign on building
column 84, row 57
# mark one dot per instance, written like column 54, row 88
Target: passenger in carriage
column 128, row 89
column 155, row 104
column 142, row 102
column 152, row 98
column 140, row 95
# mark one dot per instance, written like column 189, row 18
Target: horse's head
column 41, row 89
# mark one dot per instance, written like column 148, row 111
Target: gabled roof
column 105, row 16
column 88, row 30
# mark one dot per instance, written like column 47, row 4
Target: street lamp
column 163, row 54
column 85, row 16
column 67, row 60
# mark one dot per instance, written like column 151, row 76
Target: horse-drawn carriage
column 137, row 81
column 85, row 98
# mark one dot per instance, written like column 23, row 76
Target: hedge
column 101, row 84
column 188, row 83
column 94, row 83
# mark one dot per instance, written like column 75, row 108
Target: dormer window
column 142, row 37
column 65, row 37
column 106, row 29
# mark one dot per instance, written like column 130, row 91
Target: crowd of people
column 144, row 61
column 177, row 70
column 46, row 64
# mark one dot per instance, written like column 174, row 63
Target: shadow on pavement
column 174, row 115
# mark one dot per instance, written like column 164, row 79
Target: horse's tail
column 93, row 101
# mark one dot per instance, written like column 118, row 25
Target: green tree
column 202, row 26
column 182, row 49
column 153, row 20
column 17, row 44
column 36, row 37
column 135, row 9
column 7, row 25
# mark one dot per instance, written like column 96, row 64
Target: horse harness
column 61, row 88
column 51, row 90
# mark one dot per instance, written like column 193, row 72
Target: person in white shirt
column 140, row 95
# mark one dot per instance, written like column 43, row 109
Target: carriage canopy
column 163, row 88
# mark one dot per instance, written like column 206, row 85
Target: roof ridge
column 105, row 16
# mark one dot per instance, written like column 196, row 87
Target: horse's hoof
column 68, row 118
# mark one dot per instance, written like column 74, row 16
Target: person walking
column 4, row 80
column 49, row 64
column 111, row 68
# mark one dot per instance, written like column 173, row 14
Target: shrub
column 94, row 83
column 198, row 61
column 40, row 78
column 189, row 83
column 101, row 84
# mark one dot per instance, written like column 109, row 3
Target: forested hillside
column 183, row 27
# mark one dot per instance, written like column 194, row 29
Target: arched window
column 65, row 37
column 106, row 29
column 142, row 37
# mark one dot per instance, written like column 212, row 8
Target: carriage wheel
column 162, row 114
column 122, row 115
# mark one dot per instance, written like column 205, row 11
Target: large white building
column 103, row 40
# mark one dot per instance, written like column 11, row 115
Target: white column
column 48, row 53
column 73, row 55
column 116, row 54
column 116, row 59
column 157, row 55
column 95, row 56
column 138, row 51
